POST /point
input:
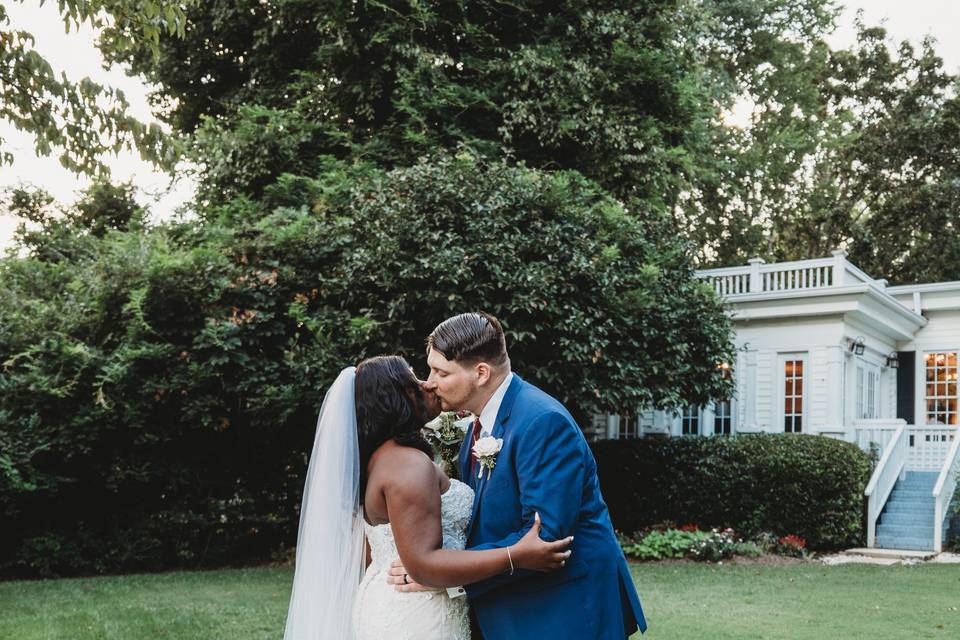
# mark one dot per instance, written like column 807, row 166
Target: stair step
column 907, row 518
column 916, row 544
column 906, row 530
column 909, row 507
column 919, row 482
column 910, row 494
column 930, row 475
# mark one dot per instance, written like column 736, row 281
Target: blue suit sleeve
column 550, row 467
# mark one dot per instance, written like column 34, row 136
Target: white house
column 825, row 349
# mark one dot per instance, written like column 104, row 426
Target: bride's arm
column 413, row 506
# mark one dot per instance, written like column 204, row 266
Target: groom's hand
column 398, row 577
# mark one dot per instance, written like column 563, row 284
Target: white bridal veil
column 330, row 545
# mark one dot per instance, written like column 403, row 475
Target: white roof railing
column 760, row 277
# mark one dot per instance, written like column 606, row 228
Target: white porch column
column 707, row 414
column 835, row 390
column 748, row 390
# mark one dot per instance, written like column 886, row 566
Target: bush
column 808, row 486
column 715, row 546
column 657, row 545
column 159, row 387
column 792, row 545
column 686, row 542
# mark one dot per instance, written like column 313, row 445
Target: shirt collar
column 488, row 415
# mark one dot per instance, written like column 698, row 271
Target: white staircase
column 910, row 491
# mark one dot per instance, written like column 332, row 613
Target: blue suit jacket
column 546, row 466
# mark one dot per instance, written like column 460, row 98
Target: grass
column 688, row 601
column 237, row 604
column 799, row 602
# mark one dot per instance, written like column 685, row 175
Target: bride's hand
column 398, row 577
column 538, row 555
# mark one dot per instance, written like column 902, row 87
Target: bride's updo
column 389, row 406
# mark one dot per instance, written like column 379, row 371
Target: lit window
column 793, row 395
column 941, row 388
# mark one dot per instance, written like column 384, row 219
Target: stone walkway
column 888, row 557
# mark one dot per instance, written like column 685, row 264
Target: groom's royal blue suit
column 546, row 466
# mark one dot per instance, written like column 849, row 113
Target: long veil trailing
column 330, row 545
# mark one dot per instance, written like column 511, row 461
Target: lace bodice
column 382, row 613
column 456, row 504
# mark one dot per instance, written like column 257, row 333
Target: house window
column 941, row 388
column 629, row 426
column 722, row 411
column 690, row 421
column 793, row 394
column 868, row 392
column 722, row 419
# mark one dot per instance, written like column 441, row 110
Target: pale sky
column 75, row 54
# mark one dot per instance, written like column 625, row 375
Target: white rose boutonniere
column 486, row 450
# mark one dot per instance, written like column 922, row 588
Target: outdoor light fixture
column 857, row 345
column 893, row 360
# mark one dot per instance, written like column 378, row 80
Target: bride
column 373, row 494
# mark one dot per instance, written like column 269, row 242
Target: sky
column 76, row 55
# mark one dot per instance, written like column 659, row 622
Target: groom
column 544, row 466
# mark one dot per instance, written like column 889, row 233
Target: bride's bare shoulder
column 405, row 468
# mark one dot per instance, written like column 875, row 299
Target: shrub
column 712, row 546
column 809, row 486
column 792, row 545
column 159, row 386
column 715, row 546
column 657, row 545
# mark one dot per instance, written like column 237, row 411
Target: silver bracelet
column 510, row 558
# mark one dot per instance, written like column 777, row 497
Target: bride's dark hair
column 389, row 406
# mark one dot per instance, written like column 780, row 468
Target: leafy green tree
column 626, row 93
column 159, row 388
column 852, row 148
column 615, row 92
column 83, row 120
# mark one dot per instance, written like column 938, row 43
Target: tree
column 847, row 148
column 83, row 120
column 626, row 93
column 611, row 91
column 149, row 353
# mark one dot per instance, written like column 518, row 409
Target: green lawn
column 682, row 601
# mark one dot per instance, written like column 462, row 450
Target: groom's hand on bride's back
column 530, row 552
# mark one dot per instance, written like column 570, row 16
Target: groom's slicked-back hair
column 470, row 337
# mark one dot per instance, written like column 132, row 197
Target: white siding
column 818, row 395
column 942, row 331
column 766, row 388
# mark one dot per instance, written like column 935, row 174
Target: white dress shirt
column 488, row 415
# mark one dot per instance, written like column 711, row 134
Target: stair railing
column 943, row 492
column 889, row 469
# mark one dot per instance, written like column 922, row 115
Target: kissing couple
column 388, row 543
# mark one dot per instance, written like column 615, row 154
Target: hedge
column 810, row 486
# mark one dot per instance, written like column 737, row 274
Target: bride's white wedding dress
column 382, row 613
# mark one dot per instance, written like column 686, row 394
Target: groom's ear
column 483, row 373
